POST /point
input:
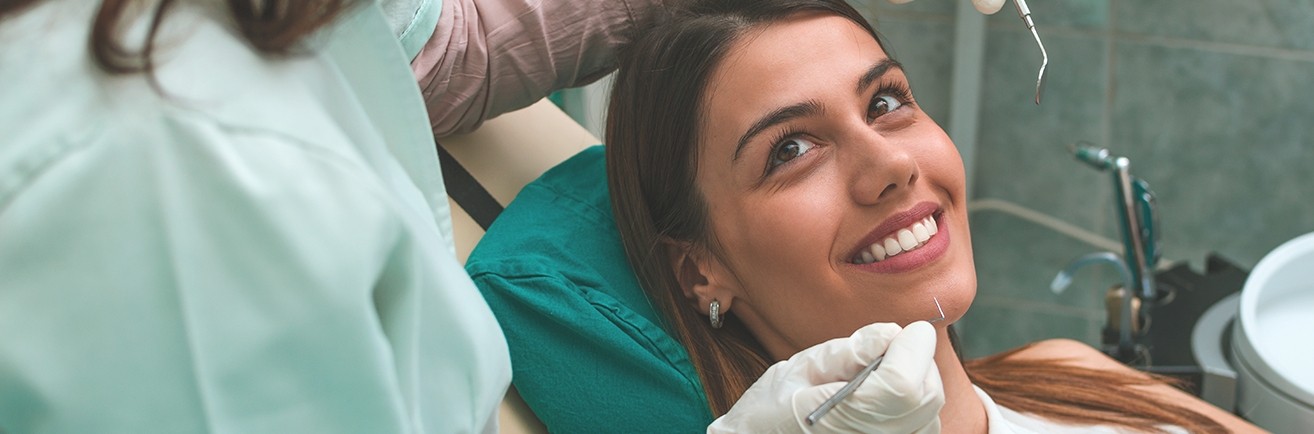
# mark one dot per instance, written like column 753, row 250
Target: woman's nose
column 879, row 168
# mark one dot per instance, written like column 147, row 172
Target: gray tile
column 1226, row 141
column 1058, row 15
column 1022, row 153
column 990, row 327
column 1269, row 23
column 1017, row 260
column 926, row 51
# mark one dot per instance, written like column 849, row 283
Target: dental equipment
column 1126, row 315
column 1136, row 216
column 858, row 379
column 1135, row 205
column 1025, row 12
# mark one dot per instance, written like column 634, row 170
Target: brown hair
column 275, row 27
column 652, row 157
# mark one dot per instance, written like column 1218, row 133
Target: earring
column 714, row 313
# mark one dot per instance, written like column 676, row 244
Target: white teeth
column 878, row 251
column 919, row 232
column 892, row 247
column 906, row 239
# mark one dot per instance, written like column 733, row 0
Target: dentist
column 228, row 215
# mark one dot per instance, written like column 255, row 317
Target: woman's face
column 812, row 151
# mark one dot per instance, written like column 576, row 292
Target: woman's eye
column 790, row 149
column 882, row 104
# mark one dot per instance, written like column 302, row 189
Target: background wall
column 1212, row 100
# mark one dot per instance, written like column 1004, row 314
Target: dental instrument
column 1025, row 12
column 858, row 379
column 1136, row 216
column 1129, row 303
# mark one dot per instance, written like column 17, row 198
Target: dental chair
column 589, row 352
column 503, row 155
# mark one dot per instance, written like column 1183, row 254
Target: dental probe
column 858, row 379
column 1025, row 12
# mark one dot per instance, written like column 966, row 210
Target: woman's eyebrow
column 810, row 107
column 777, row 116
column 876, row 72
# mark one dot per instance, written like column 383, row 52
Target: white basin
column 1273, row 340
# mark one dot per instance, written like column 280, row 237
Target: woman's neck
column 963, row 411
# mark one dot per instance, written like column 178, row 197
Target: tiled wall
column 1212, row 100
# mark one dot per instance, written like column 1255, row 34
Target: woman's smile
column 904, row 242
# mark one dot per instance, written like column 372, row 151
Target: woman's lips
column 901, row 240
column 922, row 253
column 892, row 225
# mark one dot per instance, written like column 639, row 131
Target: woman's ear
column 700, row 275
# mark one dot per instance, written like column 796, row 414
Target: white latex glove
column 985, row 6
column 903, row 395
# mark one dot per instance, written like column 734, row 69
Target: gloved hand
column 903, row 395
column 985, row 6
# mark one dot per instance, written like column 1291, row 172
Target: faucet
column 1125, row 313
column 1135, row 205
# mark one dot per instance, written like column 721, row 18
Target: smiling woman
column 844, row 160
column 766, row 158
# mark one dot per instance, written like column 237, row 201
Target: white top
column 1002, row 420
column 261, row 249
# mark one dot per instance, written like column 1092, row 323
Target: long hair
column 652, row 156
column 270, row 26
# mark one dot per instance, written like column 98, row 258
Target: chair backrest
column 503, row 155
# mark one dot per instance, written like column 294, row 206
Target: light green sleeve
column 412, row 21
column 198, row 279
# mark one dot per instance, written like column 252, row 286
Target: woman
column 216, row 217
column 792, row 186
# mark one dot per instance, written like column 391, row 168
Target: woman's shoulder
column 1074, row 352
column 1083, row 355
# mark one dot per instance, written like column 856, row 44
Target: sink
column 1271, row 349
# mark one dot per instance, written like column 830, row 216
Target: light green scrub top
column 264, row 248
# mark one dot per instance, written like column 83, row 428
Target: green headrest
column 587, row 351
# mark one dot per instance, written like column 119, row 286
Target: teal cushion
column 587, row 351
